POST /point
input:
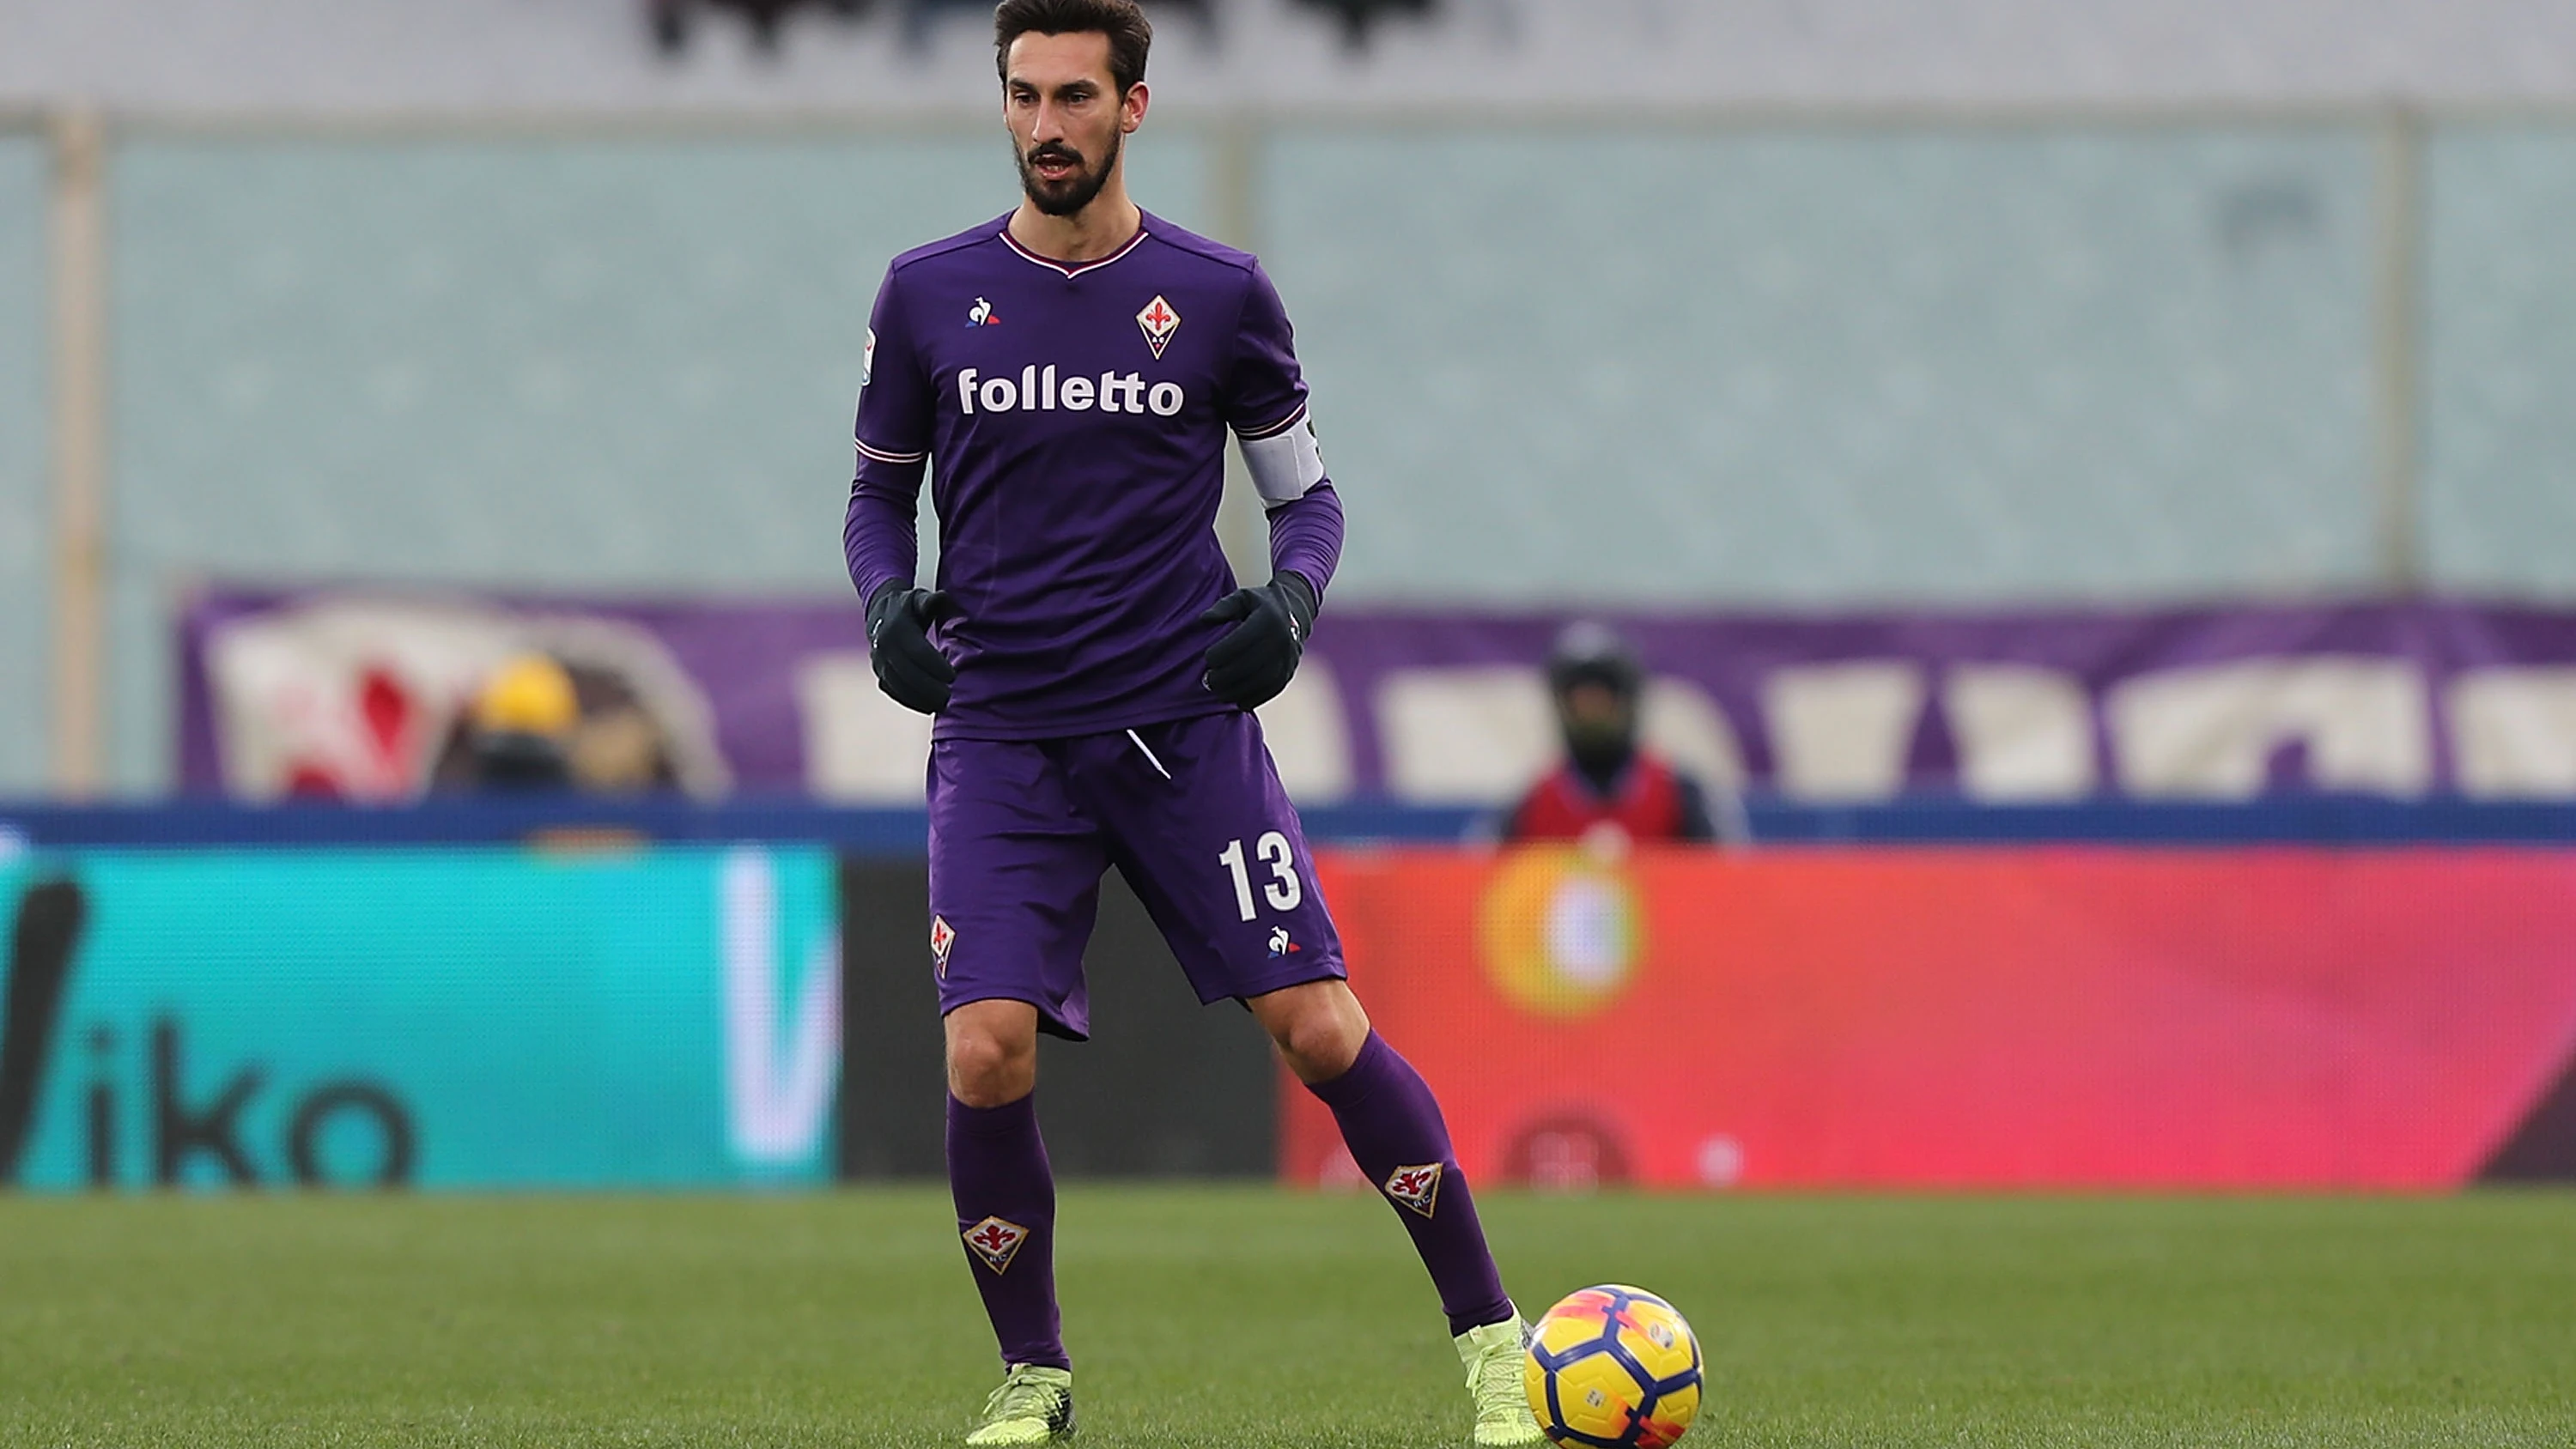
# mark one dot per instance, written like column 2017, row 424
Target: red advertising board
column 2054, row 1017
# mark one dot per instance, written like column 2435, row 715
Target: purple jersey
column 1075, row 419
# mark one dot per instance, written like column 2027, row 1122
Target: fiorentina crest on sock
column 996, row 1242
column 1416, row 1187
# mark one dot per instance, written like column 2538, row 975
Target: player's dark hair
column 1130, row 34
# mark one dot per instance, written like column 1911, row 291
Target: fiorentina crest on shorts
column 1416, row 1187
column 1160, row 322
column 996, row 1242
column 942, row 936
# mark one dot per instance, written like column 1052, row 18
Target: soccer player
column 1073, row 368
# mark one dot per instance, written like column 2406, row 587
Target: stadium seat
column 920, row 17
column 1358, row 17
column 674, row 20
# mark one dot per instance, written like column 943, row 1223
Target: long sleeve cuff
column 1306, row 537
column 879, row 544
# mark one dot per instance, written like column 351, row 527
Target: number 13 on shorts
column 1283, row 891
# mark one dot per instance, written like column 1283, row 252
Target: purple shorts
column 1191, row 813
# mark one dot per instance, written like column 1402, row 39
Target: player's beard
column 1073, row 193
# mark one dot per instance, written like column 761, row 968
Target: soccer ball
column 1612, row 1367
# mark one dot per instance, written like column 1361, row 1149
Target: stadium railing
column 2313, row 820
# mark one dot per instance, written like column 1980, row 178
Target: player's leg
column 1393, row 1127
column 1198, row 823
column 999, row 1176
column 1004, row 1190
column 1014, row 880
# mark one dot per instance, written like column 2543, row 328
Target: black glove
column 910, row 669
column 1256, row 658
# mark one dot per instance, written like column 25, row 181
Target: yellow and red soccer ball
column 1612, row 1367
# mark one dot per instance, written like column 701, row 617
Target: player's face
column 1066, row 117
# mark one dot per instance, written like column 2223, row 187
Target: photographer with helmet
column 1607, row 785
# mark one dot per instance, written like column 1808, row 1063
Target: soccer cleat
column 1033, row 1406
column 1493, row 1358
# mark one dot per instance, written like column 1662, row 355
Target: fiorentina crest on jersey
column 1416, row 1187
column 996, row 1242
column 942, row 936
column 1160, row 322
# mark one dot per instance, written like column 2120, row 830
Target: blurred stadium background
column 2094, row 481
column 2091, row 486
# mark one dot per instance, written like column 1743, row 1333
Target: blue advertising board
column 432, row 1017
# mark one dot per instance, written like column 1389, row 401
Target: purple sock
column 1393, row 1127
column 1005, row 1195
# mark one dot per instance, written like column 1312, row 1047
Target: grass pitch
column 1226, row 1317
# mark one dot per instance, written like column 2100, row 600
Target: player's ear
column 1131, row 107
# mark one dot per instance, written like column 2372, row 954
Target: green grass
column 1243, row 1317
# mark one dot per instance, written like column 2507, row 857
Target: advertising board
column 2058, row 1017
column 1164, row 1088
column 450, row 1018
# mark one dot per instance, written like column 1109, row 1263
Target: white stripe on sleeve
column 882, row 456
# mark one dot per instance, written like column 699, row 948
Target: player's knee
column 1320, row 1038
column 988, row 1070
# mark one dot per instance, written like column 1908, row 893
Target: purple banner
column 364, row 694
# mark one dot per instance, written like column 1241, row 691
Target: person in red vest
column 1607, row 784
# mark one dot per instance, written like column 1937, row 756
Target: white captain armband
column 1285, row 461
